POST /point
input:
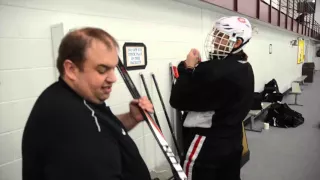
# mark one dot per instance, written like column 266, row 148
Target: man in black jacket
column 217, row 95
column 71, row 134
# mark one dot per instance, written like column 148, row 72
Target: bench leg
column 295, row 101
column 304, row 84
column 252, row 126
column 301, row 86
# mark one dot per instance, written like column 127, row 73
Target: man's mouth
column 107, row 89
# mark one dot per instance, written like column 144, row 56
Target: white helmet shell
column 226, row 31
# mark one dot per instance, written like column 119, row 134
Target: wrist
column 131, row 118
column 188, row 66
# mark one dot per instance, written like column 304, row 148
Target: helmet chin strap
column 238, row 49
column 213, row 56
column 235, row 51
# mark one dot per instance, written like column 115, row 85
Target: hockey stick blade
column 167, row 151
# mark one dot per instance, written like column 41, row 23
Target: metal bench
column 295, row 90
column 255, row 113
column 301, row 79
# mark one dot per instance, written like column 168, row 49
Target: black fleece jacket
column 68, row 138
column 224, row 86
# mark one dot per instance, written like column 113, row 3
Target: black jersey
column 223, row 86
column 68, row 138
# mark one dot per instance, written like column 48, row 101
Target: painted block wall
column 169, row 29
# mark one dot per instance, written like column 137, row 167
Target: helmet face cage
column 218, row 44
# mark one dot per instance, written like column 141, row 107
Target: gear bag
column 281, row 115
column 271, row 92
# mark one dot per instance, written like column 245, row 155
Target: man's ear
column 238, row 43
column 70, row 70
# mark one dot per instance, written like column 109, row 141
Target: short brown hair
column 74, row 45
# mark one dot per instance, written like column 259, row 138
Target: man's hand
column 193, row 58
column 144, row 103
column 132, row 118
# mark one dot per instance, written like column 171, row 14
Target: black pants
column 211, row 158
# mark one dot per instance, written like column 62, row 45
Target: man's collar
column 66, row 85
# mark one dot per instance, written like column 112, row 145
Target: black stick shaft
column 149, row 97
column 176, row 167
column 167, row 117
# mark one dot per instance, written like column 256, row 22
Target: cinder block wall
column 169, row 30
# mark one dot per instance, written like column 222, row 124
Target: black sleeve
column 33, row 143
column 194, row 90
column 32, row 164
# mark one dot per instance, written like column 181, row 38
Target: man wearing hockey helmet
column 216, row 96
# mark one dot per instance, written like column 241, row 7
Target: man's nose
column 112, row 78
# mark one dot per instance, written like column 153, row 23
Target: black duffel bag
column 281, row 115
column 271, row 92
column 271, row 87
column 273, row 97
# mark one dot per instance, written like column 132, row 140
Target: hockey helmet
column 222, row 38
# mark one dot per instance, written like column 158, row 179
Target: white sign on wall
column 135, row 56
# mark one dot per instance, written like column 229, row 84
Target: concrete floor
column 288, row 154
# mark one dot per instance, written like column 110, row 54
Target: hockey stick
column 153, row 127
column 155, row 114
column 167, row 116
column 149, row 97
column 174, row 73
column 178, row 114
